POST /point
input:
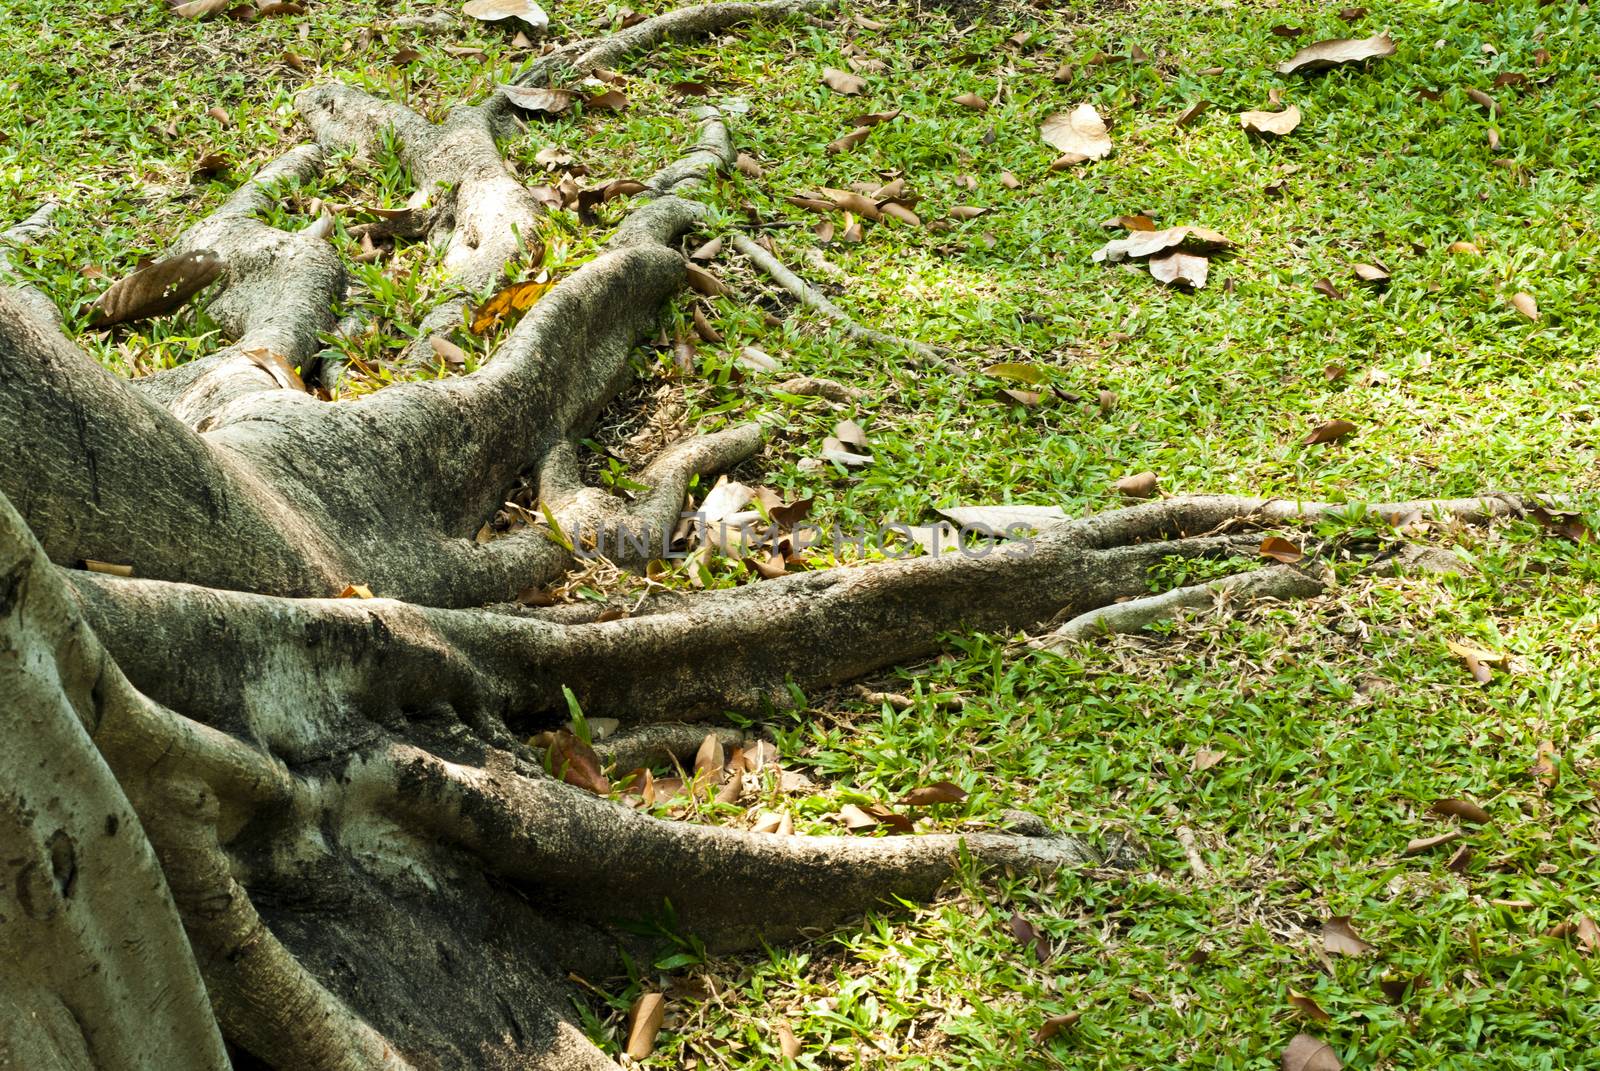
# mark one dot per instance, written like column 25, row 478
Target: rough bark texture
column 247, row 823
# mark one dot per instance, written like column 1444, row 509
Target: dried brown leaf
column 1191, row 113
column 938, row 792
column 1308, row 1007
column 1138, row 485
column 1337, row 52
column 1080, row 132
column 1339, row 938
column 525, row 11
column 704, row 282
column 1328, row 432
column 1465, row 810
column 710, row 758
column 973, row 101
column 576, row 763
column 843, row 82
column 1271, row 124
column 1281, row 550
column 1418, row 845
column 1054, row 1025
column 1140, row 244
column 1180, row 269
column 1526, row 304
column 539, row 100
column 1306, row 1053
column 158, row 289
column 644, row 1023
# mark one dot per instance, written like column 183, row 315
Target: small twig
column 812, row 298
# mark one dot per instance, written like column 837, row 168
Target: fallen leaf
column 973, row 101
column 448, row 352
column 1191, row 113
column 1476, row 660
column 1140, row 244
column 1339, row 938
column 746, row 165
column 938, row 792
column 612, row 100
column 1483, row 100
column 1136, row 222
column 644, row 1023
column 512, row 300
column 1030, row 935
column 525, row 11
column 1325, row 287
column 710, row 758
column 1547, row 764
column 1138, row 485
column 405, row 56
column 1205, row 758
column 1281, row 550
column 702, row 327
column 788, row 1044
column 1054, row 1025
column 199, row 9
column 1566, row 525
column 1460, row 860
column 1510, row 78
column 1526, row 304
column 1418, row 845
column 843, row 82
column 1588, row 936
column 1009, row 181
column 704, row 282
column 539, row 99
column 1270, row 124
column 1306, row 1053
column 158, row 289
column 113, row 569
column 1022, row 373
column 965, row 212
column 1329, row 432
column 1180, row 269
column 1078, row 133
column 707, row 251
column 1465, row 810
column 1337, row 52
column 850, row 140
column 1467, row 248
column 278, row 7
column 1352, row 14
column 1371, row 274
column 576, row 763
column 1308, row 1007
column 211, row 163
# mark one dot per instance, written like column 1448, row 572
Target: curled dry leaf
column 1463, row 248
column 538, row 99
column 1205, row 758
column 114, row 569
column 1483, row 100
column 1588, row 935
column 938, row 792
column 1339, row 938
column 158, row 289
column 644, row 1023
column 710, row 758
column 788, row 1044
column 1139, row 485
column 1180, row 269
column 199, row 9
column 524, row 11
column 1336, row 53
column 1371, row 275
column 1308, row 1007
column 1329, row 432
column 1142, row 244
column 1080, row 133
column 1191, row 113
column 707, row 251
column 1418, row 845
column 1465, row 810
column 843, row 82
column 1270, row 124
column 1306, row 1053
column 612, row 100
column 703, row 328
column 448, row 352
column 1526, row 304
column 1476, row 659
column 1281, row 550
column 1030, row 935
column 576, row 763
column 1054, row 1025
column 1137, row 222
column 355, row 591
column 704, row 282
column 1547, row 764
column 747, row 166
column 973, row 101
column 850, row 140
column 1325, row 287
column 964, row 212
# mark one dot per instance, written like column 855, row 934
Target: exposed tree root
column 248, row 814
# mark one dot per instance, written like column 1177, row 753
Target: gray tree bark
column 246, row 823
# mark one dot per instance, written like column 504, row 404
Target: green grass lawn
column 1339, row 721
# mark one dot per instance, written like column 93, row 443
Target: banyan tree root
column 248, row 824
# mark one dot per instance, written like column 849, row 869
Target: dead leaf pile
column 1175, row 256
